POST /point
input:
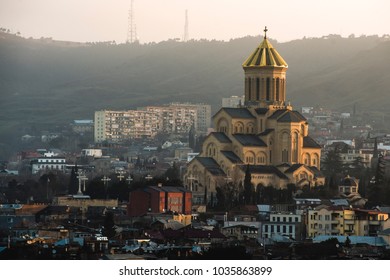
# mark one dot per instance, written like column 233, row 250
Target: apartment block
column 334, row 220
column 116, row 126
column 178, row 118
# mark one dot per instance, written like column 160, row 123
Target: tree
column 332, row 163
column 347, row 242
column 248, row 189
column 73, row 181
column 109, row 225
column 191, row 137
column 173, row 174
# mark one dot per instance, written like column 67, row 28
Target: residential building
column 159, row 199
column 117, row 126
column 240, row 232
column 96, row 153
column 285, row 224
column 265, row 134
column 82, row 126
column 233, row 101
column 48, row 164
column 338, row 220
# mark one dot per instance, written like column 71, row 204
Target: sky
column 159, row 20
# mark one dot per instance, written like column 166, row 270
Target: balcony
column 335, row 231
column 334, row 222
column 374, row 223
column 349, row 221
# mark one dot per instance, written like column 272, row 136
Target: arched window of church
column 284, row 155
column 268, row 89
column 250, row 157
column 315, row 160
column 277, row 88
column 306, row 159
column 295, row 147
column 285, row 146
column 249, row 88
column 257, row 89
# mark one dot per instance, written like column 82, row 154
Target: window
column 249, row 88
column 268, row 89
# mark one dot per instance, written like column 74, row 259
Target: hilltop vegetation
column 44, row 82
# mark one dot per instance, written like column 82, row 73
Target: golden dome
column 265, row 55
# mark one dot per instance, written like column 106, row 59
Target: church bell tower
column 265, row 76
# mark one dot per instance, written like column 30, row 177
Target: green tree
column 73, row 181
column 173, row 175
column 109, row 225
column 248, row 188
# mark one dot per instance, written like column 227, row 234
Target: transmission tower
column 185, row 36
column 131, row 29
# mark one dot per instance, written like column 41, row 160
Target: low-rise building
column 48, row 164
column 339, row 220
column 159, row 199
column 285, row 224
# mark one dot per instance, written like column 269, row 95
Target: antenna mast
column 185, row 36
column 131, row 30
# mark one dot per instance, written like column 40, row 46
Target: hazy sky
column 157, row 20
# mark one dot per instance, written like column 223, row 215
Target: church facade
column 264, row 134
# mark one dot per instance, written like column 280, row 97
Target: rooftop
column 265, row 55
column 249, row 140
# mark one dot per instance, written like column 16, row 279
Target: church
column 264, row 135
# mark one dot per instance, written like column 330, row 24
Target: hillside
column 44, row 82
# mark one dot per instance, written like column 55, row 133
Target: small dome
column 265, row 55
column 349, row 181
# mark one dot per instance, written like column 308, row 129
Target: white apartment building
column 53, row 164
column 285, row 224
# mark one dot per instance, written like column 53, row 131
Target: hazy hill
column 46, row 82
